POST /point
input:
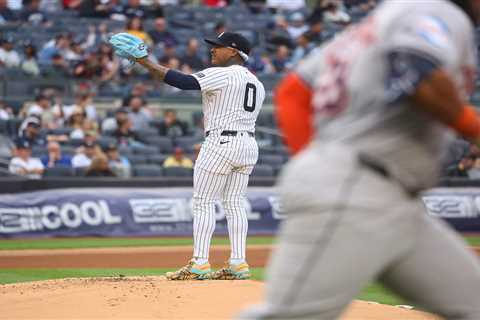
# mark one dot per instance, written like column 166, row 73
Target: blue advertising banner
column 168, row 212
column 120, row 212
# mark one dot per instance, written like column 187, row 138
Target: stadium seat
column 275, row 160
column 177, row 172
column 263, row 170
column 157, row 159
column 164, row 144
column 105, row 141
column 80, row 172
column 145, row 150
column 59, row 172
column 147, row 170
column 136, row 159
column 186, row 143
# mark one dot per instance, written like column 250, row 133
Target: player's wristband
column 467, row 123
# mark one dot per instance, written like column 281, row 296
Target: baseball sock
column 236, row 262
column 200, row 260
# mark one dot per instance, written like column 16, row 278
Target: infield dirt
column 143, row 297
column 152, row 298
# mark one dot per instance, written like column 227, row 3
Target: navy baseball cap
column 232, row 40
column 23, row 144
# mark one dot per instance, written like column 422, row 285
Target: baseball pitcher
column 368, row 116
column 232, row 98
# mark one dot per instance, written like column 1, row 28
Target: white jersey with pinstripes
column 232, row 98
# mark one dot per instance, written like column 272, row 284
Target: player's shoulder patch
column 433, row 30
column 199, row 75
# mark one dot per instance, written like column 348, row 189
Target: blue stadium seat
column 147, row 170
column 157, row 159
column 274, row 160
column 136, row 159
column 186, row 143
column 164, row 144
column 177, row 172
column 145, row 150
column 59, row 172
column 263, row 170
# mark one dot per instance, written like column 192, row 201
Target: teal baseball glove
column 128, row 46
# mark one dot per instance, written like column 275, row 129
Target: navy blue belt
column 230, row 133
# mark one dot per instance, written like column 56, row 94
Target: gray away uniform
column 347, row 224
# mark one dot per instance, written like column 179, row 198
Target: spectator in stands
column 80, row 124
column 8, row 57
column 260, row 62
column 160, row 34
column 30, row 130
column 58, row 46
column 6, row 112
column 215, row 3
column 280, row 59
column 278, row 34
column 96, row 8
column 457, row 150
column 138, row 114
column 335, row 13
column 316, row 29
column 170, row 51
column 108, row 63
column 255, row 6
column 196, row 151
column 219, row 28
column 83, row 159
column 75, row 52
column 42, row 108
column 31, row 12
column 88, row 68
column 304, row 46
column 119, row 164
column 171, row 126
column 192, row 57
column 55, row 158
column 58, row 67
column 126, row 136
column 83, row 100
column 23, row 163
column 285, row 5
column 96, row 36
column 139, row 89
column 6, row 14
column 297, row 25
column 109, row 125
column 178, row 159
column 99, row 167
column 135, row 27
column 29, row 63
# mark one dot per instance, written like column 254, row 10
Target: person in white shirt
column 84, row 159
column 8, row 57
column 24, row 164
column 297, row 25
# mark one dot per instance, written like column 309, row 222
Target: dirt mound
column 151, row 298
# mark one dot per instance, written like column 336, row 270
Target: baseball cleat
column 232, row 272
column 191, row 271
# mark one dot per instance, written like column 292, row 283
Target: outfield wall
column 120, row 212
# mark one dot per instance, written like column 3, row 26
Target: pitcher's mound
column 151, row 298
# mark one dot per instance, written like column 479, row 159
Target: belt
column 378, row 168
column 230, row 133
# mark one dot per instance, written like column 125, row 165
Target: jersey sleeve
column 211, row 79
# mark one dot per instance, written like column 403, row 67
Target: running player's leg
column 207, row 187
column 440, row 273
column 335, row 240
column 233, row 201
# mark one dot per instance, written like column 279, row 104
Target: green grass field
column 67, row 243
column 373, row 292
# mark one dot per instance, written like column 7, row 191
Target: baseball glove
column 128, row 46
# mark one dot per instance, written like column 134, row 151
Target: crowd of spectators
column 73, row 135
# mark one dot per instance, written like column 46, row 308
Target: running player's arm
column 172, row 77
column 418, row 58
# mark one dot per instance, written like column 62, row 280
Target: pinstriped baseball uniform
column 353, row 212
column 232, row 98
